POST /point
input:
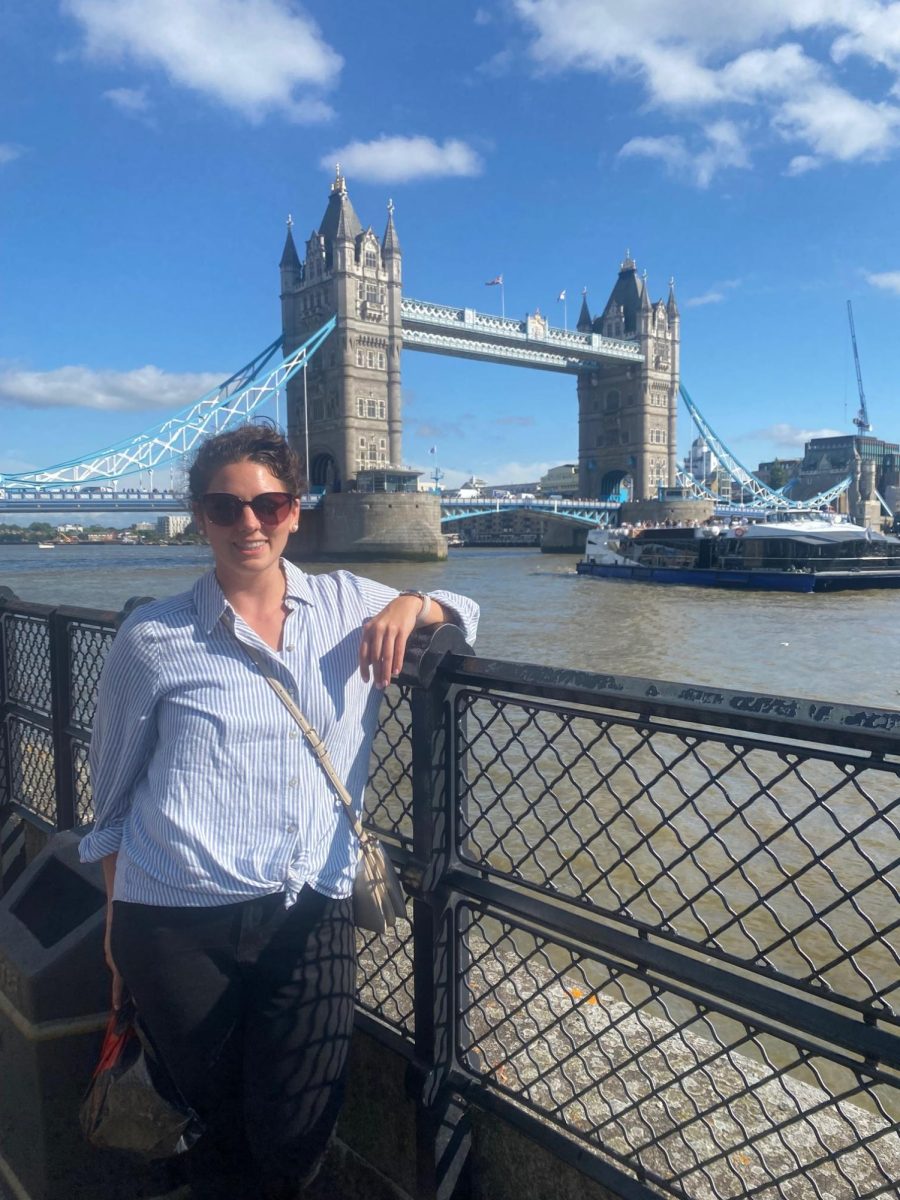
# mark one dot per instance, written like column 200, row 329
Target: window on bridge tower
column 612, row 401
column 371, row 293
column 371, row 260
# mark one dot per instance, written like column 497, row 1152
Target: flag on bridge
column 497, row 281
column 433, row 450
column 562, row 295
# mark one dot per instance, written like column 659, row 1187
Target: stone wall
column 378, row 525
column 360, row 527
column 375, row 1156
column 655, row 512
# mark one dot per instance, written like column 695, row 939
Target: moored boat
column 795, row 551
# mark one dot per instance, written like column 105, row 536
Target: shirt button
column 291, row 828
column 295, row 733
column 290, row 646
column 292, row 783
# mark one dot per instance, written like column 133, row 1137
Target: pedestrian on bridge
column 229, row 862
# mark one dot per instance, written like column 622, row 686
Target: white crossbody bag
column 378, row 898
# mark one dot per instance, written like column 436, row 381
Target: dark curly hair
column 257, row 441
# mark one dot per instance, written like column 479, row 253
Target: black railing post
column 442, row 1127
column 60, row 717
column 6, row 595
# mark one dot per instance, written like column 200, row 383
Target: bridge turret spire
column 585, row 320
column 340, row 220
column 672, row 306
column 290, row 260
column 390, row 243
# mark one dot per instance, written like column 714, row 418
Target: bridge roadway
column 465, row 333
column 573, row 512
column 576, row 512
column 163, row 502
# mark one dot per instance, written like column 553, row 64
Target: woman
column 229, row 862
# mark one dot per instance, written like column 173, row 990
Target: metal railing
column 655, row 926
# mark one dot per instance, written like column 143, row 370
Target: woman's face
column 250, row 547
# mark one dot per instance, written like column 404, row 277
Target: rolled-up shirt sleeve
column 465, row 611
column 124, row 733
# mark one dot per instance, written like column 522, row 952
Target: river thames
column 535, row 608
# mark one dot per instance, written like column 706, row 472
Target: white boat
column 797, row 551
column 46, row 545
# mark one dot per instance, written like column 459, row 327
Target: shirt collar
column 210, row 603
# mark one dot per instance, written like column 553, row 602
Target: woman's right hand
column 118, row 985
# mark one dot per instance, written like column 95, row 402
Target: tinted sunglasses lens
column 221, row 509
column 271, row 507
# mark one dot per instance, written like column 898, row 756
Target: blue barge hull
column 767, row 581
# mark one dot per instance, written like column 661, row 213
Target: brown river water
column 536, row 609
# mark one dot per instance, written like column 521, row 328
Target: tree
column 778, row 474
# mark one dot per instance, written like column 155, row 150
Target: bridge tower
column 353, row 383
column 627, row 411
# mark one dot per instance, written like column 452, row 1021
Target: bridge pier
column 559, row 538
column 371, row 526
column 657, row 512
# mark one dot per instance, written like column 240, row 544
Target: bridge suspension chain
column 762, row 495
column 232, row 401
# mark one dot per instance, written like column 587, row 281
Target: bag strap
column 315, row 742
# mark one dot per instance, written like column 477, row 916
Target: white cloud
column 888, row 281
column 784, row 435
column 874, row 33
column 399, row 159
column 699, row 57
column 801, row 163
column 250, row 55
column 711, row 297
column 9, row 152
column 132, row 101
column 837, row 125
column 80, row 387
column 723, row 148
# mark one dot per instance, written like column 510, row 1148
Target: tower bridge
column 345, row 323
column 348, row 402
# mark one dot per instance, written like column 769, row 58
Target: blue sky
column 150, row 151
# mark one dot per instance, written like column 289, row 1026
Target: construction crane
column 861, row 420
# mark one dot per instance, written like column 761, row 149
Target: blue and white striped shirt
column 202, row 781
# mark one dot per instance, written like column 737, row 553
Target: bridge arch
column 323, row 472
column 616, row 484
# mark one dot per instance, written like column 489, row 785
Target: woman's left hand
column 384, row 638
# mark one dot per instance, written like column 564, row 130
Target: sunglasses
column 269, row 508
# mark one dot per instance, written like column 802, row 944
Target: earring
column 294, row 528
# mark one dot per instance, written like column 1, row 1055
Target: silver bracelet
column 422, row 615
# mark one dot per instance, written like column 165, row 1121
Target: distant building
column 171, row 525
column 701, row 464
column 387, row 479
column 560, row 481
column 514, row 489
column 873, row 465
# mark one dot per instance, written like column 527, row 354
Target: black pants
column 250, row 1006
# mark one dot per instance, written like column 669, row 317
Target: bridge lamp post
column 306, row 427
